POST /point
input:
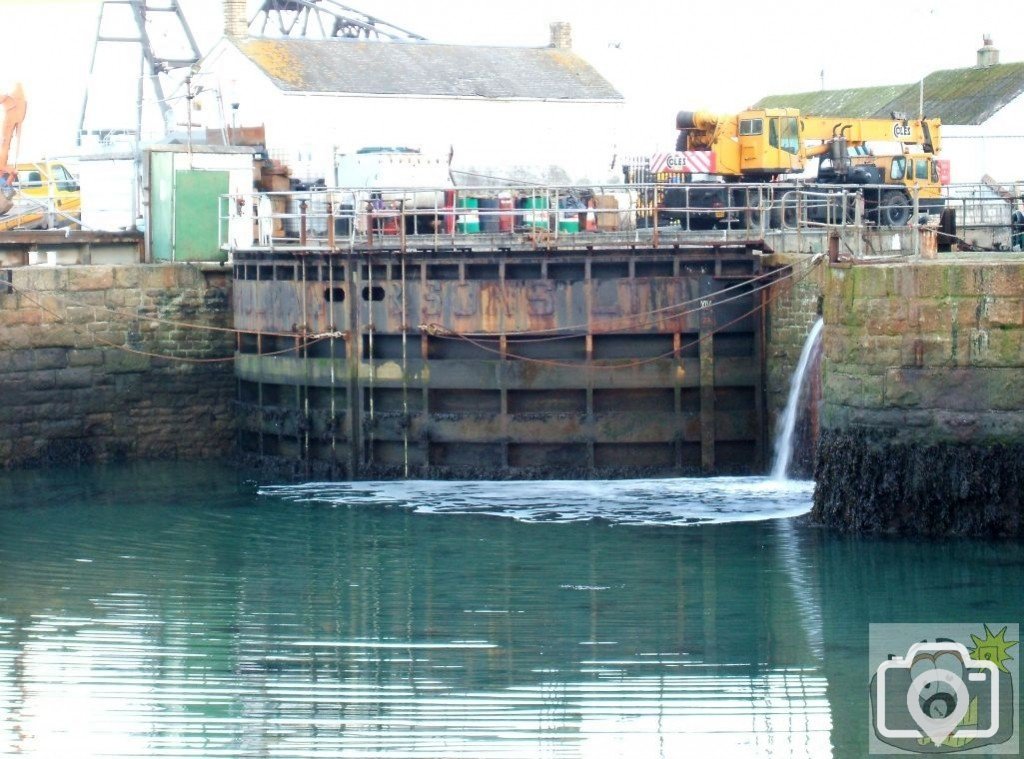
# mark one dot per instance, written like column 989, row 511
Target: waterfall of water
column 784, row 436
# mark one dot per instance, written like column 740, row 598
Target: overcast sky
column 663, row 55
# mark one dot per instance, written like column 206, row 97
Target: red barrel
column 449, row 212
column 506, row 217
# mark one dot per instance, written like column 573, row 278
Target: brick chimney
column 236, row 25
column 561, row 35
column 988, row 54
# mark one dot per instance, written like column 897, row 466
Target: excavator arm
column 14, row 106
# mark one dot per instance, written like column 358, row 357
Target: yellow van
column 46, row 196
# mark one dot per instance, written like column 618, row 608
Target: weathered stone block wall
column 792, row 312
column 85, row 378
column 923, row 417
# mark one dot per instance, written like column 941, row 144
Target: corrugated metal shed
column 425, row 69
column 956, row 96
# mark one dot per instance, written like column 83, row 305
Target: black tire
column 894, row 209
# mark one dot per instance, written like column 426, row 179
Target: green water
column 173, row 611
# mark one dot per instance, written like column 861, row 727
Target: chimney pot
column 561, row 35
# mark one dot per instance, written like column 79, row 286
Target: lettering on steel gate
column 466, row 299
column 540, row 299
column 432, row 301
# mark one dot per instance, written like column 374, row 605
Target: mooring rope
column 672, row 312
column 442, row 332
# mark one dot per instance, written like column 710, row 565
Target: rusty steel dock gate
column 563, row 361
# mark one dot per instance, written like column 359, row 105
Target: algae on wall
column 923, row 414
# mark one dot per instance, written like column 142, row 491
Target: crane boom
column 924, row 132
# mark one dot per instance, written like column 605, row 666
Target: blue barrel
column 490, row 220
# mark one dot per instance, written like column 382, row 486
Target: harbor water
column 178, row 611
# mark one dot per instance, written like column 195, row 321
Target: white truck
column 390, row 179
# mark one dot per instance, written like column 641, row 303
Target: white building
column 497, row 110
column 981, row 108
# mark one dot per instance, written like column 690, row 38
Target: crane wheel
column 894, row 209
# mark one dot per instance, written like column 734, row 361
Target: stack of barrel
column 503, row 213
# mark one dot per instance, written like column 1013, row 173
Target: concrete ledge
column 54, row 247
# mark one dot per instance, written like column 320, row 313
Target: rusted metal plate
column 493, row 365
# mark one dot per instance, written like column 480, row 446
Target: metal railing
column 34, row 211
column 344, row 218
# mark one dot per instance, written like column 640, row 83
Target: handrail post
column 654, row 216
column 915, row 221
column 330, row 224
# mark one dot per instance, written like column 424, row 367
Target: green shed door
column 161, row 209
column 196, row 206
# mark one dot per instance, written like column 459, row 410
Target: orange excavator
column 14, row 107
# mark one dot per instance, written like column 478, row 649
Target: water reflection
column 164, row 611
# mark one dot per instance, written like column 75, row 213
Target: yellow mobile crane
column 767, row 144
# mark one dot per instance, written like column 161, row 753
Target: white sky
column 663, row 55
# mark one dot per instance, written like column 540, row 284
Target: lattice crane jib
column 323, row 19
column 167, row 50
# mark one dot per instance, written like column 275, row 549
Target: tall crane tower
column 166, row 48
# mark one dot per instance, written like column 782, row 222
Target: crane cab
column 755, row 144
column 770, row 142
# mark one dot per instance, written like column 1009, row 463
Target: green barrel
column 467, row 221
column 535, row 211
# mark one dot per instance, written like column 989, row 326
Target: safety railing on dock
column 36, row 211
column 481, row 218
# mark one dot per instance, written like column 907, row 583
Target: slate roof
column 963, row 96
column 861, row 102
column 956, row 96
column 418, row 68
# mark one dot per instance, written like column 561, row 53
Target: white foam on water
column 675, row 501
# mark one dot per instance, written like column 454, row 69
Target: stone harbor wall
column 85, row 378
column 923, row 414
column 794, row 308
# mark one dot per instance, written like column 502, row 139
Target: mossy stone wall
column 923, row 401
